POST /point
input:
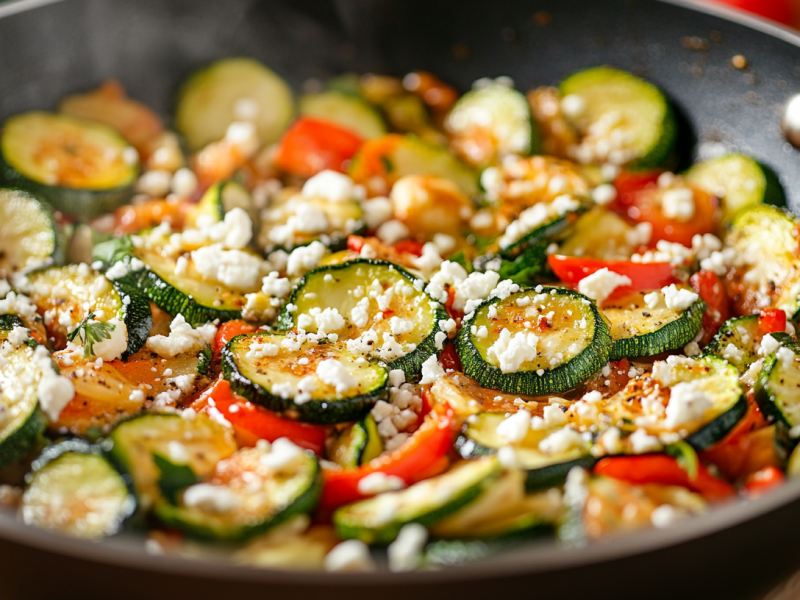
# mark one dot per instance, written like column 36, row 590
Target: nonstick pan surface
column 49, row 49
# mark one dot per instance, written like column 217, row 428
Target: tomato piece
column 422, row 456
column 135, row 217
column 252, row 423
column 665, row 470
column 373, row 166
column 229, row 330
column 710, row 288
column 643, row 276
column 312, row 145
column 412, row 247
column 763, row 481
column 640, row 199
column 771, row 320
column 355, row 243
column 449, row 359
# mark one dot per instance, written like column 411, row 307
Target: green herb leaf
column 460, row 258
column 91, row 333
column 112, row 251
column 174, row 478
column 204, row 366
column 686, row 457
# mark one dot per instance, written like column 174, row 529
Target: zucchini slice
column 738, row 181
column 21, row 421
column 599, row 233
column 543, row 470
column 361, row 291
column 572, row 342
column 708, row 375
column 637, row 330
column 614, row 101
column 286, row 224
column 228, row 90
column 81, row 167
column 766, row 239
column 379, row 519
column 553, row 224
column 247, row 495
column 744, row 334
column 489, row 123
column 263, row 367
column 348, row 110
column 75, row 490
column 31, row 237
column 219, row 199
column 357, row 444
column 199, row 444
column 68, row 294
column 777, row 385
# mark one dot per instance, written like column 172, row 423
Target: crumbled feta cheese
column 429, row 260
column 113, row 347
column 182, row 338
column 509, row 352
column 400, row 326
column 514, row 428
column 334, row 373
column 678, row 204
column 604, row 194
column 378, row 483
column 350, row 556
column 732, row 353
column 184, row 182
column 117, row 271
column 376, row 212
column 504, row 289
column 692, row 349
column 642, row 442
column 678, row 299
column 276, row 286
column 392, row 232
column 329, row 321
column 785, row 356
column 553, row 415
column 155, row 183
column 282, row 453
column 652, row 300
column 238, row 270
column 432, row 371
column 397, row 377
column 601, row 284
column 665, row 516
column 330, row 185
column 261, row 350
column 561, row 441
column 404, row 552
column 686, row 403
column 470, row 291
column 217, row 499
column 769, row 345
column 305, row 258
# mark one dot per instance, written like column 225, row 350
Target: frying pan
column 50, row 48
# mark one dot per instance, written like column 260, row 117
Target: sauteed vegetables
column 384, row 322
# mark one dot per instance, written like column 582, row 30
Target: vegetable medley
column 384, row 322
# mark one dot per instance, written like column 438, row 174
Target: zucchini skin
column 542, row 235
column 411, row 363
column 527, row 383
column 138, row 318
column 59, row 253
column 671, row 336
column 313, row 411
column 19, row 442
column 716, row 430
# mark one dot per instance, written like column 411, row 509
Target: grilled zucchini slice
column 357, row 444
column 74, row 489
column 31, row 237
column 745, row 336
column 228, row 90
column 264, row 368
column 637, row 330
column 247, row 495
column 218, row 200
column 199, row 444
column 80, row 167
column 68, row 294
column 543, row 470
column 738, row 181
column 599, row 233
column 777, row 385
column 361, row 290
column 348, row 110
column 489, row 123
column 379, row 519
column 572, row 342
column 611, row 100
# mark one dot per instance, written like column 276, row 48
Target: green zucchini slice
column 544, row 470
column 198, row 444
column 229, row 90
column 31, row 237
column 709, row 375
column 599, row 233
column 612, row 101
column 738, row 181
column 333, row 386
column 637, row 330
column 491, row 122
column 766, row 239
column 379, row 519
column 777, row 385
column 572, row 342
column 361, row 290
column 286, row 221
column 81, row 167
column 218, row 200
column 251, row 492
column 745, row 336
column 348, row 110
column 555, row 223
column 75, row 490
column 357, row 444
column 68, row 294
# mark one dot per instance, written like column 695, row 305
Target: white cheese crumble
column 330, row 185
column 276, row 286
column 642, row 442
column 305, row 258
column 334, row 373
column 282, row 454
column 678, row 204
column 665, row 516
column 378, row 483
column 509, row 351
column 392, row 232
column 601, row 284
column 474, row 289
column 769, row 345
column 376, row 212
column 182, row 338
column 678, row 299
column 238, row 270
column 113, row 347
column 561, row 441
column 432, row 371
column 404, row 552
column 350, row 556
column 514, row 428
column 217, row 499
column 732, row 353
column 686, row 403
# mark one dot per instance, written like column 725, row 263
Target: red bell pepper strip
column 229, row 330
column 663, row 469
column 709, row 286
column 450, row 359
column 771, row 320
column 252, row 423
column 764, row 480
column 643, row 276
column 313, row 145
column 423, row 455
column 409, row 247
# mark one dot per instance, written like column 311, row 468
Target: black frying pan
column 50, row 49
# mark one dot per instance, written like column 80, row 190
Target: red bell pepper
column 312, row 145
column 450, row 359
column 771, row 320
column 663, row 469
column 409, row 247
column 229, row 330
column 643, row 276
column 425, row 454
column 709, row 286
column 252, row 423
column 764, row 480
